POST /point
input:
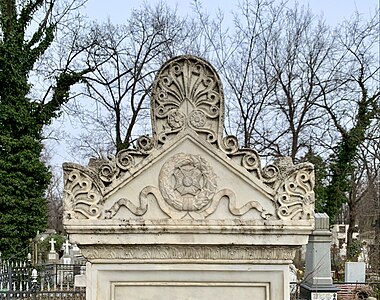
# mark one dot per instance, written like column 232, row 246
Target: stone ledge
column 189, row 253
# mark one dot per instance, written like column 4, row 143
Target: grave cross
column 52, row 242
column 66, row 245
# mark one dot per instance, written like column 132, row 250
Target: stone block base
column 328, row 292
column 187, row 281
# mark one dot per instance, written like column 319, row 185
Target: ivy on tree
column 23, row 176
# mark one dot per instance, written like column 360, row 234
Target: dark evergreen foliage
column 23, row 176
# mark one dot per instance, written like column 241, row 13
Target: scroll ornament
column 82, row 195
column 187, row 186
column 294, row 190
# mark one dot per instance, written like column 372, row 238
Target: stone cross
column 66, row 245
column 52, row 242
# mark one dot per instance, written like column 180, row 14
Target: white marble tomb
column 188, row 215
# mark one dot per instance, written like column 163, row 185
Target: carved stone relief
column 187, row 97
column 188, row 187
column 190, row 252
column 187, row 93
column 188, row 199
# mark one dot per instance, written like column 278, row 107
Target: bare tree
column 55, row 204
column 352, row 109
column 271, row 62
column 113, row 105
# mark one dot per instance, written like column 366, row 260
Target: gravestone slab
column 53, row 256
column 324, row 296
column 354, row 272
column 188, row 214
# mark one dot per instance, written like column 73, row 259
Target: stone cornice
column 189, row 253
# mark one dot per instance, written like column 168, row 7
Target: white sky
column 334, row 11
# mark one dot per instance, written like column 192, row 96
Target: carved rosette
column 187, row 93
column 187, row 182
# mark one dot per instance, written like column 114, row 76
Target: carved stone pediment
column 188, row 179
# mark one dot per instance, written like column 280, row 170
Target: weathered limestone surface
column 318, row 281
column 196, row 213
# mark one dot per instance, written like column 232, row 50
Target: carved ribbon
column 173, row 213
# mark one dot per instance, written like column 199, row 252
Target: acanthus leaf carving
column 187, row 93
column 294, row 191
column 82, row 194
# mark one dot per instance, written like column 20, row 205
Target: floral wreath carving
column 187, row 182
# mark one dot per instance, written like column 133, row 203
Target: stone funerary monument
column 188, row 215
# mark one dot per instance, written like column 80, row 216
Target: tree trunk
column 352, row 255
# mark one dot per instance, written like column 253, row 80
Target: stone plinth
column 318, row 281
column 53, row 257
column 188, row 215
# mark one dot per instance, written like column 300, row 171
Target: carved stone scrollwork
column 295, row 195
column 82, row 195
column 108, row 170
column 187, row 186
column 250, row 160
column 229, row 144
column 269, row 174
column 187, row 93
column 145, row 144
column 124, row 160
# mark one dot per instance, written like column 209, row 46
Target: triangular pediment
column 187, row 171
column 189, row 142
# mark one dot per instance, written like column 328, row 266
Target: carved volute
column 188, row 214
column 187, row 177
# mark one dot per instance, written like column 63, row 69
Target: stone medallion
column 187, row 182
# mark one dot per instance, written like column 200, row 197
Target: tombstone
column 78, row 258
column 188, row 214
column 66, row 258
column 80, row 280
column 53, row 256
column 354, row 272
column 318, row 283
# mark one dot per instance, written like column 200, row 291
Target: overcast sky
column 334, row 11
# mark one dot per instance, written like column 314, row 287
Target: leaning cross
column 52, row 242
column 66, row 245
